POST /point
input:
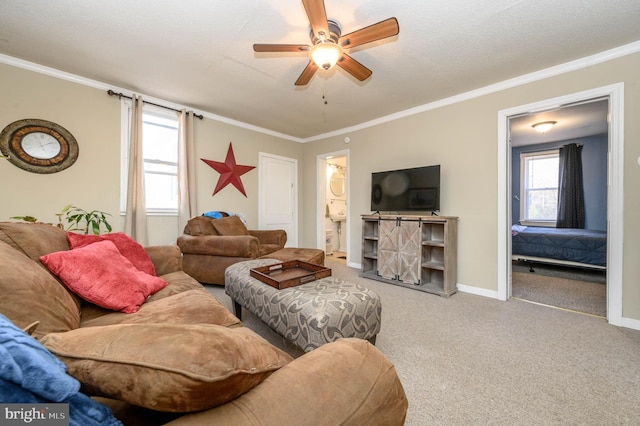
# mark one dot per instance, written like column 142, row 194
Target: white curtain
column 135, row 223
column 186, row 170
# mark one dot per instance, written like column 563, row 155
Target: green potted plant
column 81, row 220
column 77, row 219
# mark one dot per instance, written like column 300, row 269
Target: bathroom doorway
column 333, row 212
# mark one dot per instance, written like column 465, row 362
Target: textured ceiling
column 198, row 53
column 572, row 121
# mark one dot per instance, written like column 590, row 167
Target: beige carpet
column 472, row 360
column 581, row 296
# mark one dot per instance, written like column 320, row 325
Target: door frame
column 321, row 194
column 615, row 194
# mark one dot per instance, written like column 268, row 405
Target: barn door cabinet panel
column 417, row 252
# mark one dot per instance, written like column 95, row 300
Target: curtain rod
column 122, row 95
column 533, row 151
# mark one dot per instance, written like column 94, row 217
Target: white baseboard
column 493, row 294
column 631, row 323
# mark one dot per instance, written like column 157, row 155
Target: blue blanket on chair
column 29, row 373
column 219, row 215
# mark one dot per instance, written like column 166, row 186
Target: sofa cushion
column 166, row 258
column 347, row 382
column 266, row 249
column 199, row 225
column 29, row 293
column 188, row 307
column 178, row 282
column 100, row 274
column 127, row 246
column 176, row 368
column 34, row 239
column 231, row 225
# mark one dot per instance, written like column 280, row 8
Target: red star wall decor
column 230, row 172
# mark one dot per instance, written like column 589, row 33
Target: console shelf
column 417, row 252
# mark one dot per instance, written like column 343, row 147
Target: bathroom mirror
column 336, row 183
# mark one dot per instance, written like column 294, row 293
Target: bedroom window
column 539, row 188
column 160, row 152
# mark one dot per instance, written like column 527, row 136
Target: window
column 539, row 187
column 160, row 152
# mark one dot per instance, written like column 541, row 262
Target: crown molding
column 63, row 75
column 577, row 64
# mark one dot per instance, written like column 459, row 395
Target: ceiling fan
column 328, row 45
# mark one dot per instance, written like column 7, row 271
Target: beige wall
column 91, row 117
column 463, row 139
column 93, row 182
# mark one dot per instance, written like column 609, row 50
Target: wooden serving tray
column 289, row 274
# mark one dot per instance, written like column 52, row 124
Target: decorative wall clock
column 38, row 146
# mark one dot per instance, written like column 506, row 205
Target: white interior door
column 278, row 187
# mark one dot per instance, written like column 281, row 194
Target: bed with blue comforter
column 568, row 246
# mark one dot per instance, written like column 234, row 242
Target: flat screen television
column 406, row 189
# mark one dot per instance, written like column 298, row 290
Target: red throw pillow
column 127, row 246
column 101, row 275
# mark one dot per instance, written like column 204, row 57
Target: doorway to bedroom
column 507, row 201
column 559, row 206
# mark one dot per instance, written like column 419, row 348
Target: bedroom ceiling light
column 544, row 126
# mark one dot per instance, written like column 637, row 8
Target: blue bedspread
column 29, row 373
column 568, row 244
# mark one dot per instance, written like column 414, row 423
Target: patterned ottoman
column 308, row 315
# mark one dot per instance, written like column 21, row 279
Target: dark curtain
column 570, row 189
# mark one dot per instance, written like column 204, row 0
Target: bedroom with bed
column 559, row 216
column 582, row 248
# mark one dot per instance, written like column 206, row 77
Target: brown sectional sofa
column 182, row 357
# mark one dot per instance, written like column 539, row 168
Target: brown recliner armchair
column 209, row 246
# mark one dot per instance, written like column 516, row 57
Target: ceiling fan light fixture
column 327, row 43
column 544, row 126
column 326, row 54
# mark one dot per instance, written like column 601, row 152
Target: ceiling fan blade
column 280, row 48
column 306, row 75
column 354, row 67
column 317, row 15
column 383, row 29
